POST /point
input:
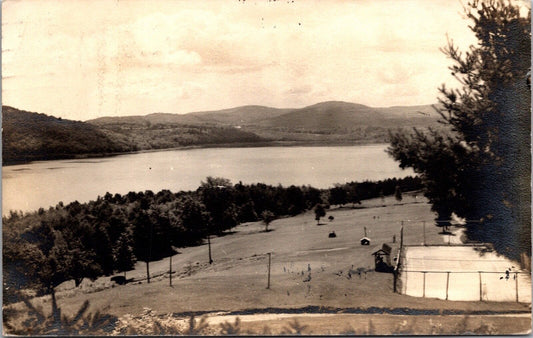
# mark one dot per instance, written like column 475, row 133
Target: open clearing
column 308, row 269
column 474, row 274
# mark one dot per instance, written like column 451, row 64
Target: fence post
column 516, row 285
column 424, row 230
column 209, row 245
column 480, row 288
column 447, row 283
column 424, row 285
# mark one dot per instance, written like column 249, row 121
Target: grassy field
column 309, row 271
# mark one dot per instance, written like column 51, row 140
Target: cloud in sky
column 82, row 59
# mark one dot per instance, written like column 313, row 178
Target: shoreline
column 205, row 146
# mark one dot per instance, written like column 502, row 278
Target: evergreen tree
column 267, row 216
column 398, row 193
column 218, row 197
column 481, row 169
column 319, row 213
column 123, row 255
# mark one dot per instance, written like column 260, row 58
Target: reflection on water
column 43, row 184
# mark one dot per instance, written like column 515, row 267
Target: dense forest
column 148, row 136
column 42, row 249
column 30, row 136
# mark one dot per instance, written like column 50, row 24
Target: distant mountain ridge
column 322, row 115
column 338, row 114
column 31, row 136
column 231, row 116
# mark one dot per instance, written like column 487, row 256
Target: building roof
column 385, row 250
column 380, row 252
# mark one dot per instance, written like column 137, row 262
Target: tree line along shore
column 45, row 248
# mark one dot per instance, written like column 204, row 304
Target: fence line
column 507, row 275
column 447, row 271
column 427, row 283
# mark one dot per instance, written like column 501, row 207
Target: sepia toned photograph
column 266, row 167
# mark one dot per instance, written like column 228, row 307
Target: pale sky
column 86, row 59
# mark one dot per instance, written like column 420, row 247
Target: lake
column 42, row 184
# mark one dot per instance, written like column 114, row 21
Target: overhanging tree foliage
column 481, row 169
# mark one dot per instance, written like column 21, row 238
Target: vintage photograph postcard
column 263, row 167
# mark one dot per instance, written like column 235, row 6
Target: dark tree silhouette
column 338, row 195
column 398, row 193
column 267, row 216
column 123, row 252
column 319, row 212
column 487, row 151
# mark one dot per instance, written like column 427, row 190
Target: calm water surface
column 43, row 184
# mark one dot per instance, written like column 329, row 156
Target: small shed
column 382, row 258
column 365, row 241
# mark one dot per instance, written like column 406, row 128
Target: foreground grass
column 309, row 271
column 150, row 323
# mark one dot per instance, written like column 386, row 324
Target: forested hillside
column 111, row 233
column 145, row 135
column 332, row 122
column 30, row 136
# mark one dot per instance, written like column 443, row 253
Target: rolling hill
column 30, row 136
column 321, row 116
column 240, row 115
column 337, row 114
column 326, row 122
column 232, row 116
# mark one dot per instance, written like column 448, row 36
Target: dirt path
column 362, row 324
column 378, row 324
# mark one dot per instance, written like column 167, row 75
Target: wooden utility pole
column 269, row 264
column 401, row 237
column 170, row 268
column 149, row 254
column 209, row 245
column 148, row 271
column 171, row 250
